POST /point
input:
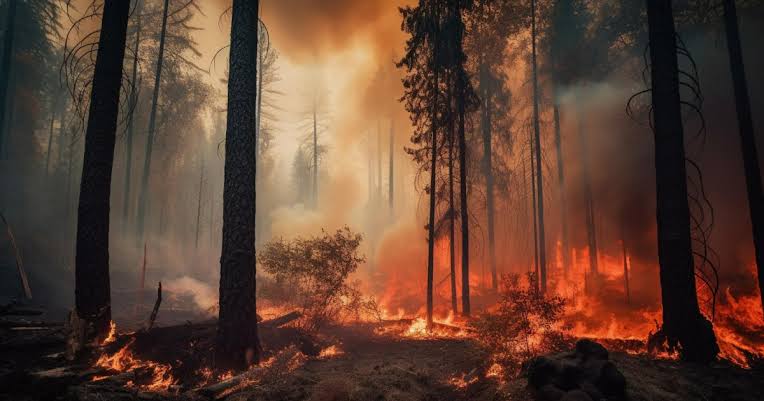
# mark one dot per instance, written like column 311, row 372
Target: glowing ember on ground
column 330, row 352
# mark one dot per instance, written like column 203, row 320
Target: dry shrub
column 311, row 274
column 525, row 324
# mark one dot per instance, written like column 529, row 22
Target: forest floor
column 345, row 363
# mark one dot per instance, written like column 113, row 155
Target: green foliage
column 312, row 274
column 525, row 323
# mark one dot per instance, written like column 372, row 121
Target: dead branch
column 281, row 320
column 154, row 311
column 19, row 263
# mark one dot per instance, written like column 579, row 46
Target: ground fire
column 388, row 200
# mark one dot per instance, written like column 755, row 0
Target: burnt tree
column 237, row 343
column 747, row 138
column 5, row 67
column 683, row 325
column 92, row 288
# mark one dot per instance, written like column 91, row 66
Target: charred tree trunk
column 539, row 164
column 463, row 209
column 431, row 220
column 199, row 205
column 92, row 289
column 683, row 324
column 488, row 170
column 143, row 200
column 747, row 138
column 561, row 185
column 133, row 96
column 5, row 67
column 237, row 340
column 535, row 212
column 451, row 205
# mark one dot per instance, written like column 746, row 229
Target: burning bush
column 524, row 324
column 312, row 274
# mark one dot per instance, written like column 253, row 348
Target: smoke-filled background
column 333, row 63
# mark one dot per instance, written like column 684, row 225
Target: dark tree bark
column 431, row 221
column 539, row 164
column 133, row 96
column 747, row 138
column 534, row 210
column 463, row 207
column 488, row 169
column 451, row 205
column 5, row 67
column 92, row 290
column 237, row 339
column 561, row 185
column 143, row 200
column 683, row 325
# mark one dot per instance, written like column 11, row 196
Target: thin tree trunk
column 390, row 180
column 683, row 325
column 53, row 113
column 747, row 139
column 535, row 214
column 143, row 200
column 463, row 199
column 130, row 120
column 379, row 162
column 199, row 205
column 561, row 184
column 488, row 171
column 431, row 221
column 539, row 164
column 237, row 343
column 626, row 288
column 5, row 67
column 452, row 207
column 315, row 156
column 92, row 288
column 591, row 227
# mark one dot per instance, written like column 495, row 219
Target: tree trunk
column 5, row 67
column 539, row 164
column 315, row 156
column 133, row 96
column 431, row 221
column 747, row 139
column 237, row 340
column 683, row 324
column 561, row 184
column 591, row 228
column 390, row 180
column 535, row 213
column 199, row 205
column 53, row 113
column 143, row 200
column 463, row 209
column 488, row 171
column 452, row 207
column 92, row 292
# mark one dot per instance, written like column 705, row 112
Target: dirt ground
column 357, row 364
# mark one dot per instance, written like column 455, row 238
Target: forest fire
column 146, row 374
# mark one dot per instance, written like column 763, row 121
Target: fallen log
column 281, row 320
column 214, row 390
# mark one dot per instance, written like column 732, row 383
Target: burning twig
column 19, row 263
column 281, row 320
